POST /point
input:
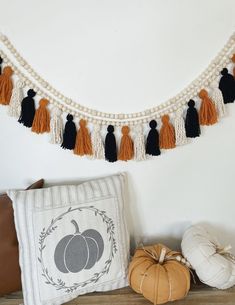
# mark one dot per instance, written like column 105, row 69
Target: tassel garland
column 139, row 145
column 167, row 133
column 41, row 121
column 126, row 147
column 97, row 143
column 227, row 86
column 152, row 143
column 110, row 145
column 6, row 85
column 180, row 134
column 83, row 140
column 207, row 113
column 69, row 134
column 217, row 97
column 192, row 126
column 56, row 126
column 27, row 109
column 14, row 108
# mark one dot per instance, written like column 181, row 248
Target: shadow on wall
column 171, row 240
column 224, row 236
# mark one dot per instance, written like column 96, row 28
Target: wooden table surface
column 198, row 295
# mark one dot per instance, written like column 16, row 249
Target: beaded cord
column 94, row 116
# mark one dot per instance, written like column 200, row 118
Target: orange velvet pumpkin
column 159, row 273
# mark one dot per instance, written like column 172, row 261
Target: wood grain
column 198, row 295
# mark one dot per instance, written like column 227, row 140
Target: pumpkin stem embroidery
column 76, row 226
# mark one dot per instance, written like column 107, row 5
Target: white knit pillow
column 73, row 239
column 214, row 265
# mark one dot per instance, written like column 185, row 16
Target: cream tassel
column 56, row 126
column 217, row 98
column 17, row 96
column 139, row 144
column 180, row 133
column 97, row 143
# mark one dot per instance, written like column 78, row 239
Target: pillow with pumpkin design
column 73, row 239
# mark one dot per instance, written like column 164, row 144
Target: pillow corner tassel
column 126, row 152
column 167, row 133
column 83, row 144
column 207, row 112
column 41, row 121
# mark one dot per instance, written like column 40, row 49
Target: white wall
column 126, row 56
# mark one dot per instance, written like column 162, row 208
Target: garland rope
column 215, row 87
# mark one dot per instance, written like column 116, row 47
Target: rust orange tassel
column 167, row 133
column 126, row 147
column 233, row 60
column 83, row 144
column 207, row 113
column 41, row 121
column 6, row 85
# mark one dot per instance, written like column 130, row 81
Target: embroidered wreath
column 60, row 284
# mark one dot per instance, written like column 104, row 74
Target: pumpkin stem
column 76, row 226
column 162, row 256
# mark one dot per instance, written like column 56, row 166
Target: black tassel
column 152, row 144
column 227, row 86
column 110, row 145
column 1, row 60
column 192, row 125
column 27, row 109
column 69, row 134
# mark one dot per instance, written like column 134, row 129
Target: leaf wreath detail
column 59, row 284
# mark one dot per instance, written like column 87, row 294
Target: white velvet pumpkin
column 214, row 265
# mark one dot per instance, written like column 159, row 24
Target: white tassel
column 56, row 126
column 217, row 98
column 17, row 96
column 139, row 144
column 180, row 134
column 97, row 143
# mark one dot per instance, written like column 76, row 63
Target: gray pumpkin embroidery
column 111, row 246
column 78, row 251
